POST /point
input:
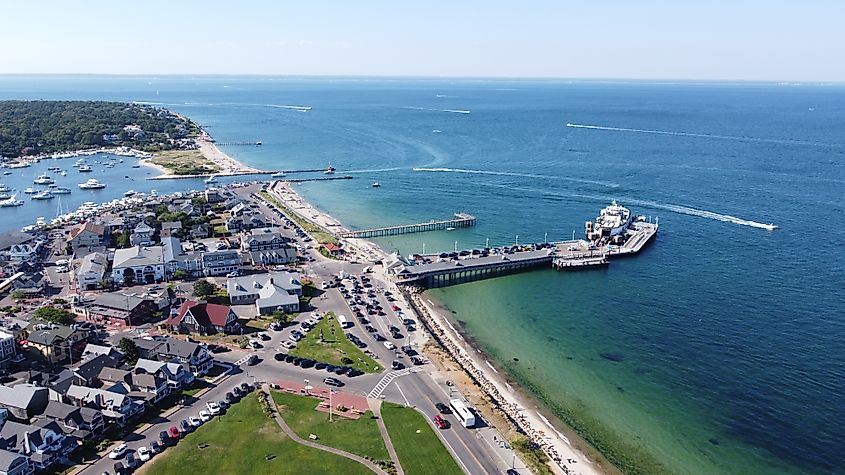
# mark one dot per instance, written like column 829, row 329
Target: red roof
column 97, row 229
column 204, row 313
column 331, row 247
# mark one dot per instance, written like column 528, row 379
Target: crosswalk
column 386, row 380
column 243, row 360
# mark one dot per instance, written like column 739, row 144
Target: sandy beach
column 516, row 407
column 208, row 149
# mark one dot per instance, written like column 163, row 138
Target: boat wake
column 686, row 210
column 296, row 108
column 706, row 136
column 374, row 170
column 523, row 175
column 454, row 111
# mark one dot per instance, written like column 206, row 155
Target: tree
column 122, row 240
column 18, row 295
column 204, row 289
column 280, row 316
column 129, row 349
column 179, row 274
column 55, row 315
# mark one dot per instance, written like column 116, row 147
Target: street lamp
column 307, row 387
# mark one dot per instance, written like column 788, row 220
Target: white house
column 24, row 251
column 138, row 264
column 269, row 292
column 142, row 235
column 91, row 271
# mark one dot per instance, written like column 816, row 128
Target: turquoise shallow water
column 725, row 340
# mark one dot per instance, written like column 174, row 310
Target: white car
column 144, row 454
column 389, row 345
column 118, row 452
column 288, row 344
column 213, row 407
column 194, row 421
column 61, row 269
column 205, row 416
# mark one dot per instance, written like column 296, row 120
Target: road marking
column 386, row 380
column 407, row 403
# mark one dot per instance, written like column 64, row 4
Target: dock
column 433, row 271
column 460, row 220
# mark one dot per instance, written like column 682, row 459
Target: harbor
column 613, row 234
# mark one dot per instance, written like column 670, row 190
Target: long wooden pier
column 461, row 220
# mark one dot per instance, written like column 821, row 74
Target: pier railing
column 461, row 220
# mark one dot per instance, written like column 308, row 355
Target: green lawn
column 361, row 436
column 184, row 162
column 238, row 443
column 419, row 452
column 334, row 347
column 316, row 231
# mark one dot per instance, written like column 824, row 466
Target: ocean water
column 717, row 350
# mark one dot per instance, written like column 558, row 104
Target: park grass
column 334, row 347
column 358, row 436
column 184, row 162
column 238, row 442
column 422, row 452
column 316, row 231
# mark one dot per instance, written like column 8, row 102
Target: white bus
column 462, row 412
column 344, row 323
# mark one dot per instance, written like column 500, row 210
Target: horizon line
column 435, row 77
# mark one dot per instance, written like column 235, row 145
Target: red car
column 395, row 308
column 173, row 432
column 440, row 422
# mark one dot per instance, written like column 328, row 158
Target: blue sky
column 733, row 40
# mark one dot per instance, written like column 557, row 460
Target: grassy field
column 184, row 162
column 240, row 442
column 334, row 347
column 361, row 436
column 418, row 447
column 317, row 232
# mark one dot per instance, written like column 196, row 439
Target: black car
column 378, row 337
column 354, row 372
column 330, row 368
column 238, row 393
column 289, row 358
column 307, row 363
column 334, row 382
column 370, row 328
column 164, row 438
column 398, row 364
column 397, row 335
column 443, row 408
column 341, row 369
column 297, row 361
column 230, row 398
column 279, row 356
column 393, row 329
column 184, row 426
column 320, row 365
column 408, row 321
column 246, row 387
column 360, row 344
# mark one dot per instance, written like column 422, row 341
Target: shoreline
column 518, row 407
column 227, row 166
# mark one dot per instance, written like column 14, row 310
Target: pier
column 433, row 271
column 255, row 143
column 461, row 220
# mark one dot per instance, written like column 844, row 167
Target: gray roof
column 112, row 374
column 168, row 347
column 172, row 225
column 265, row 235
column 126, row 302
column 8, row 458
column 95, row 263
column 19, row 396
column 46, row 336
column 59, row 410
column 253, row 284
column 172, row 248
column 91, row 368
column 274, row 296
column 11, row 238
column 138, row 256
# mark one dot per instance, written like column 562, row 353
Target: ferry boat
column 43, row 179
column 92, row 184
column 31, row 191
column 278, row 175
column 329, row 170
column 43, row 195
column 11, row 201
column 60, row 190
column 85, row 168
column 612, row 221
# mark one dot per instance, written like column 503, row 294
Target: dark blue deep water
column 728, row 339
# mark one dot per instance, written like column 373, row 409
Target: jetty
column 460, row 220
column 441, row 270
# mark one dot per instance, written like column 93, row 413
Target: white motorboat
column 31, row 191
column 376, row 184
column 85, row 168
column 129, row 193
column 11, row 201
column 278, row 175
column 60, row 190
column 43, row 195
column 329, row 170
column 210, row 180
column 43, row 180
column 92, row 184
column 4, row 188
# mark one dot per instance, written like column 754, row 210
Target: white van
column 344, row 322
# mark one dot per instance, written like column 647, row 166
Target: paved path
column 375, row 406
column 290, row 433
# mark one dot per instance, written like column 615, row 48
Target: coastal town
column 128, row 326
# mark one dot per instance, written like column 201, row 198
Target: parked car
column 230, row 398
column 131, row 461
column 164, row 438
column 205, row 416
column 155, row 447
column 213, row 407
column 144, row 454
column 443, row 408
column 389, row 345
column 194, row 421
column 398, row 364
column 173, row 433
column 118, row 452
column 334, row 382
